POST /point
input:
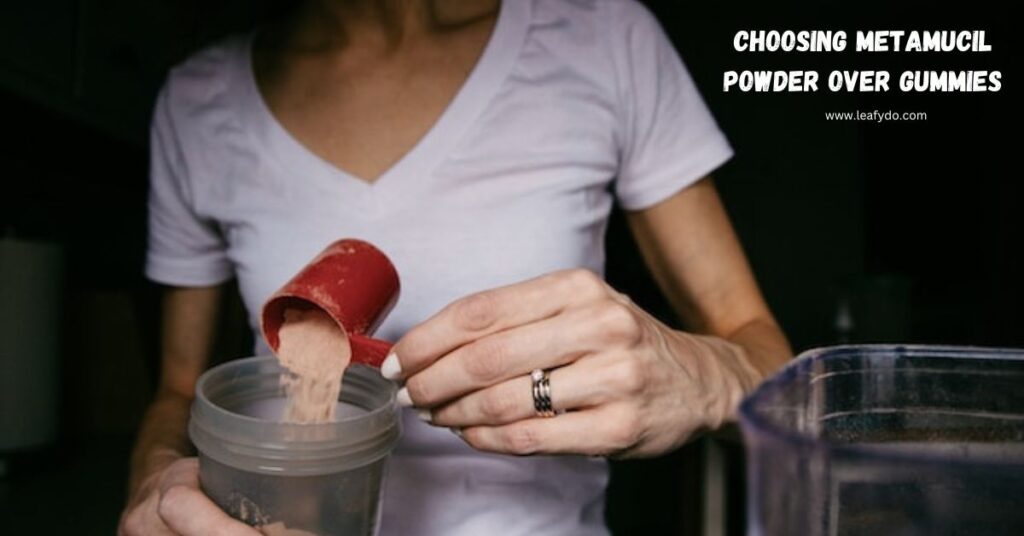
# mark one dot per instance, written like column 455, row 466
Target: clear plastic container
column 888, row 440
column 289, row 478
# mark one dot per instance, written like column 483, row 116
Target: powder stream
column 315, row 352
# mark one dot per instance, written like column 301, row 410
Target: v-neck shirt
column 571, row 106
column 403, row 176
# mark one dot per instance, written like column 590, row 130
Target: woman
column 481, row 147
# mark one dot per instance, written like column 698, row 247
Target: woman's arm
column 691, row 248
column 629, row 384
column 189, row 317
column 164, row 495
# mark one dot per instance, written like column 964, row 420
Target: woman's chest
column 363, row 108
column 443, row 249
column 514, row 189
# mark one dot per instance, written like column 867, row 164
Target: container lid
column 223, row 426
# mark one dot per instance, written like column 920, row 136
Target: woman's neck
column 328, row 24
column 384, row 22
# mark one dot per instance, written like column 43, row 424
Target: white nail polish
column 390, row 368
column 424, row 415
column 403, row 398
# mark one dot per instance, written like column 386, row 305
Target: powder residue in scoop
column 316, row 352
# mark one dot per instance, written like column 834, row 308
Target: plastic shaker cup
column 305, row 478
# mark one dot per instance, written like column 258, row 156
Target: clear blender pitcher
column 888, row 440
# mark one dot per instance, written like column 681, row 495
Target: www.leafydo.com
column 876, row 116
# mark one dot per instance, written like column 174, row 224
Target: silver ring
column 542, row 393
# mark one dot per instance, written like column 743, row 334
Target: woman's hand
column 170, row 503
column 628, row 384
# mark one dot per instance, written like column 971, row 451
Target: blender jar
column 894, row 440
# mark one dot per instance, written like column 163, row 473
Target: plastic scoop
column 354, row 283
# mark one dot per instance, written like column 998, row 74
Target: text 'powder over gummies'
column 316, row 352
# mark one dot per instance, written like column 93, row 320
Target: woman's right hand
column 170, row 503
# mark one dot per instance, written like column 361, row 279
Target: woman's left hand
column 624, row 383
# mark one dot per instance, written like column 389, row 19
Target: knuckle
column 486, row 363
column 497, row 407
column 133, row 523
column 413, row 341
column 618, row 322
column 621, row 297
column 630, row 377
column 418, row 391
column 522, row 439
column 469, row 435
column 585, row 282
column 474, row 438
column 624, row 432
column 476, row 312
column 172, row 500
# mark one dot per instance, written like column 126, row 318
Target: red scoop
column 354, row 283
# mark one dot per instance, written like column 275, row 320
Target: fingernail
column 390, row 368
column 425, row 416
column 403, row 398
column 457, row 431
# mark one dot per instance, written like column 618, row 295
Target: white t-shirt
column 571, row 105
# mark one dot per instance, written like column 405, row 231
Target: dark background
column 913, row 226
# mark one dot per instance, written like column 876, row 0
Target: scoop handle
column 368, row 351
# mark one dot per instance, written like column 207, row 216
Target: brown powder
column 315, row 352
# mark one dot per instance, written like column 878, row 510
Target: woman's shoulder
column 619, row 12
column 198, row 108
column 208, row 76
column 611, row 26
